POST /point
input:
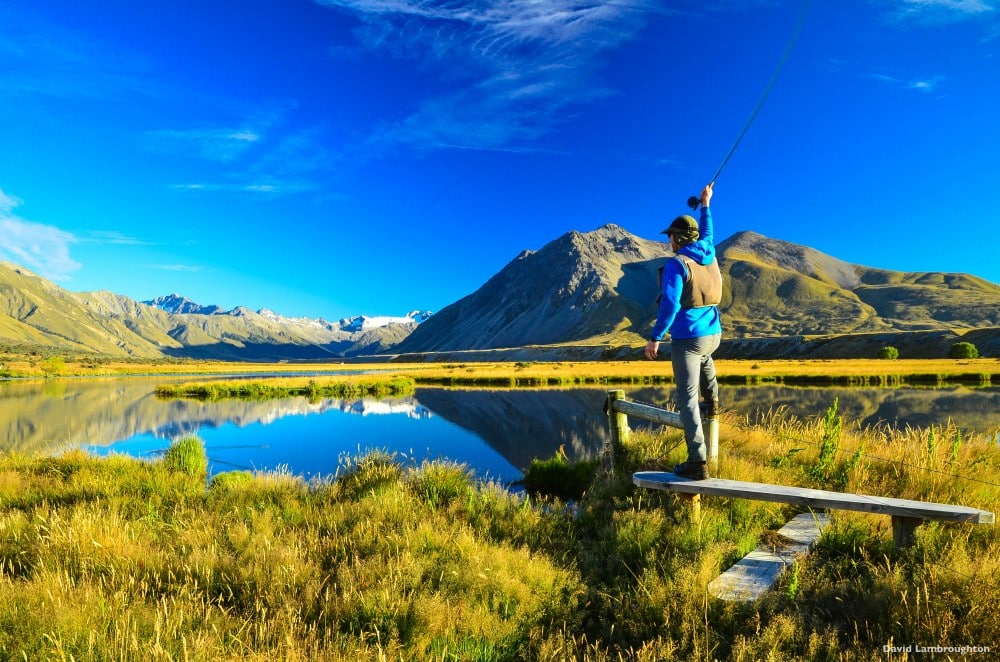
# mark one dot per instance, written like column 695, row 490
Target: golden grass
column 116, row 558
column 341, row 386
column 979, row 372
column 25, row 366
column 540, row 373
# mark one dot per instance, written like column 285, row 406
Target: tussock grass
column 187, row 455
column 115, row 558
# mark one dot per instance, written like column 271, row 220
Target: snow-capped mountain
column 364, row 322
column 177, row 304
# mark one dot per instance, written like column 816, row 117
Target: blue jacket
column 687, row 322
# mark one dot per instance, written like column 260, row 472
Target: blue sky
column 330, row 158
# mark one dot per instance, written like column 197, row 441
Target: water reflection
column 972, row 410
column 495, row 432
column 523, row 424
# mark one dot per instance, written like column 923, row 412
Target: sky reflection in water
column 494, row 432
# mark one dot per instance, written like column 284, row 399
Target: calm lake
column 495, row 432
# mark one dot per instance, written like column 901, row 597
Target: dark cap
column 683, row 226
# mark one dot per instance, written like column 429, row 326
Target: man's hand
column 652, row 347
column 706, row 195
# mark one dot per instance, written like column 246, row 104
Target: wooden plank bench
column 759, row 570
column 906, row 514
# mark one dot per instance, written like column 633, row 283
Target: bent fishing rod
column 695, row 200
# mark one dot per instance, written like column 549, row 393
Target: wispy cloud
column 185, row 268
column 261, row 154
column 215, row 144
column 267, row 188
column 8, row 202
column 114, row 237
column 42, row 248
column 511, row 69
column 925, row 85
column 940, row 11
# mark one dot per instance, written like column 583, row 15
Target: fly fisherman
column 690, row 292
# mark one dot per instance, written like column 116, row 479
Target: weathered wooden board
column 760, row 569
column 648, row 413
column 815, row 499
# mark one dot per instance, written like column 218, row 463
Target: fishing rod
column 695, row 200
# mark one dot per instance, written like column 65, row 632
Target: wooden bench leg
column 904, row 530
column 695, row 501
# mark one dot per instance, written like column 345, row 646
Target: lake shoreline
column 834, row 372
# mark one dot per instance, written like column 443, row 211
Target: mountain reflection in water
column 495, row 432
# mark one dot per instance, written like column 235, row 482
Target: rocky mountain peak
column 177, row 304
column 580, row 285
column 795, row 257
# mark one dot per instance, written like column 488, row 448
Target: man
column 691, row 289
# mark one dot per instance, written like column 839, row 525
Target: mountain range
column 595, row 289
column 38, row 314
column 599, row 288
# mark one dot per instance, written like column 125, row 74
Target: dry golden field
column 878, row 370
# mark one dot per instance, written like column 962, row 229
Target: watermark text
column 954, row 650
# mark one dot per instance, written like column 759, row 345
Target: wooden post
column 619, row 432
column 711, row 431
column 904, row 530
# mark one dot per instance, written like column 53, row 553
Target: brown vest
column 702, row 284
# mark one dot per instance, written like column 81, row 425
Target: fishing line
column 694, row 201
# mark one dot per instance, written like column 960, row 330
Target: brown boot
column 692, row 470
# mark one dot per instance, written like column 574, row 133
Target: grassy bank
column 21, row 366
column 848, row 372
column 875, row 372
column 258, row 389
column 402, row 379
column 122, row 559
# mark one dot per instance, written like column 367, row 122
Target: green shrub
column 559, row 477
column 230, row 480
column 963, row 350
column 187, row 455
column 827, row 471
column 53, row 366
column 888, row 352
column 439, row 483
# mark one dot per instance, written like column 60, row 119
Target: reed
column 282, row 387
column 117, row 558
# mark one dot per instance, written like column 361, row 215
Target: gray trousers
column 694, row 373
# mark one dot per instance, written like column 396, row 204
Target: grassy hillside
column 765, row 299
column 61, row 319
column 779, row 288
column 37, row 315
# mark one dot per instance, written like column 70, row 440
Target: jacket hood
column 701, row 251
